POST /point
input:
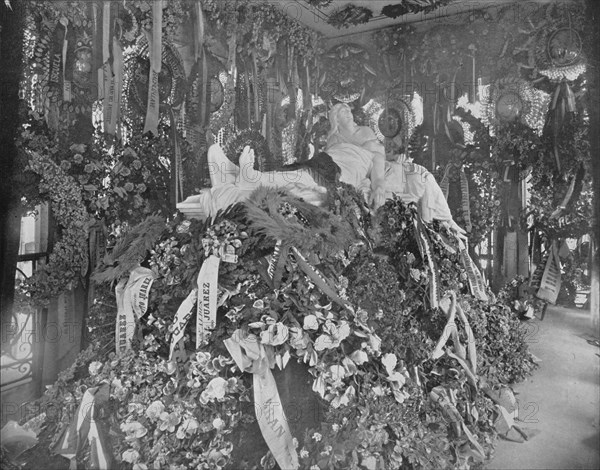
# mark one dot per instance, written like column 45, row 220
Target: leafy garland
column 319, row 3
column 250, row 21
column 350, row 15
column 69, row 258
column 412, row 6
column 368, row 352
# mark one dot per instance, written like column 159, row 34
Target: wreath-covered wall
column 85, row 96
column 520, row 70
column 350, row 302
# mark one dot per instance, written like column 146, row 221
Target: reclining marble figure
column 358, row 158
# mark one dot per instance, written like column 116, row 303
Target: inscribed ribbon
column 206, row 314
column 155, row 51
column 132, row 303
column 251, row 356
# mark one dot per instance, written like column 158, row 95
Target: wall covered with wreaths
column 128, row 145
column 502, row 100
column 120, row 102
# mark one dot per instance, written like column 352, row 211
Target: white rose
column 131, row 456
column 155, row 409
column 95, row 367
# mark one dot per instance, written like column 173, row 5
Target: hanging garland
column 516, row 151
column 350, row 15
column 250, row 21
column 412, row 6
column 319, row 3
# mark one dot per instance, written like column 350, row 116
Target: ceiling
column 316, row 18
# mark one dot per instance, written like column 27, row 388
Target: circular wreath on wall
column 391, row 117
column 512, row 100
column 557, row 49
column 348, row 73
column 171, row 80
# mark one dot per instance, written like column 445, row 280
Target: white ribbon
column 184, row 312
column 206, row 315
column 84, row 428
column 132, row 303
column 251, row 356
column 115, row 86
column 65, row 49
column 155, row 52
column 104, row 74
column 551, row 278
column 474, row 277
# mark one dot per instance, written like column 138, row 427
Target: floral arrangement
column 350, row 306
column 127, row 181
column 518, row 294
column 175, row 13
column 112, row 183
column 118, row 181
column 68, row 261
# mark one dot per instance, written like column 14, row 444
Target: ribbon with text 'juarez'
column 252, row 356
column 206, row 314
